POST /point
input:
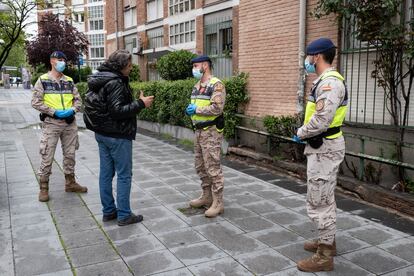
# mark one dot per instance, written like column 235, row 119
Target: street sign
column 80, row 60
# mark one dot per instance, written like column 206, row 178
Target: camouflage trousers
column 51, row 133
column 322, row 173
column 207, row 150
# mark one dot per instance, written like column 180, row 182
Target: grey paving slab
column 33, row 231
column 154, row 262
column 264, row 206
column 237, row 211
column 274, row 193
column 375, row 260
column 294, row 251
column 173, row 198
column 373, row 234
column 32, row 264
column 6, row 257
column 67, row 272
column 5, row 221
column 198, row 253
column 264, row 261
column 306, row 229
column 255, row 223
column 156, row 212
column 180, row 237
column 225, row 266
column 176, row 272
column 403, row 248
column 292, row 272
column 347, row 221
column 111, row 268
column 27, row 219
column 165, row 224
column 246, row 198
column 285, row 217
column 117, row 233
column 77, row 225
column 276, row 236
column 408, row 271
column 346, row 243
column 139, row 245
column 292, row 201
column 42, row 245
column 198, row 220
column 344, row 267
column 83, row 238
column 92, row 254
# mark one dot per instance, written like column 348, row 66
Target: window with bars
column 180, row 6
column 155, row 38
column 367, row 100
column 182, row 32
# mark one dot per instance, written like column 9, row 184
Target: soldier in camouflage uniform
column 206, row 111
column 57, row 98
column 325, row 150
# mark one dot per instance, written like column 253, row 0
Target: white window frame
column 183, row 32
column 96, row 18
column 180, row 6
column 130, row 17
column 156, row 14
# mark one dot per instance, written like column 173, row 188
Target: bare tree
column 12, row 23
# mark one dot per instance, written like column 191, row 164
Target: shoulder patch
column 320, row 105
column 219, row 86
column 326, row 87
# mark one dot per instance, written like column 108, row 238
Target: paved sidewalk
column 261, row 232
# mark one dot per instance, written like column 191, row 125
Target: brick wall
column 199, row 35
column 268, row 51
column 141, row 12
column 110, row 25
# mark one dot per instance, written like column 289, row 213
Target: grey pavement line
column 11, row 228
column 100, row 228
column 54, row 222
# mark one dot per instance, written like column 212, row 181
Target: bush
column 82, row 89
column 135, row 74
column 39, row 70
column 176, row 65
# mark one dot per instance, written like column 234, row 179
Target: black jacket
column 110, row 108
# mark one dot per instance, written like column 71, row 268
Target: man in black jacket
column 110, row 111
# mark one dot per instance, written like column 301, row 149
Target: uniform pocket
column 43, row 146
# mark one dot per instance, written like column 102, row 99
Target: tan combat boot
column 204, row 200
column 312, row 246
column 320, row 261
column 44, row 189
column 217, row 207
column 72, row 186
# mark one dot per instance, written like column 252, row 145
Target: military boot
column 44, row 189
column 204, row 200
column 320, row 261
column 217, row 207
column 72, row 186
column 312, row 246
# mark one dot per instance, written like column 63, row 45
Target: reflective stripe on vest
column 340, row 112
column 202, row 100
column 57, row 96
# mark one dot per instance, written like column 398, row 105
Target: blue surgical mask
column 310, row 67
column 60, row 66
column 197, row 73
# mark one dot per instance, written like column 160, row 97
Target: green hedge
column 172, row 97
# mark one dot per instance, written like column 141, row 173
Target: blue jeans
column 115, row 155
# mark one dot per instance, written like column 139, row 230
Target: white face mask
column 60, row 66
column 197, row 73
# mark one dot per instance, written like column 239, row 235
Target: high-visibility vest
column 202, row 100
column 340, row 112
column 57, row 96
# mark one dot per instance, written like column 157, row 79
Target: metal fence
column 218, row 44
column 368, row 102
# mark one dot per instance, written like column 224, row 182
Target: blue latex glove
column 296, row 139
column 191, row 109
column 61, row 114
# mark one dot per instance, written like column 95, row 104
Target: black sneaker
column 130, row 220
column 110, row 216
